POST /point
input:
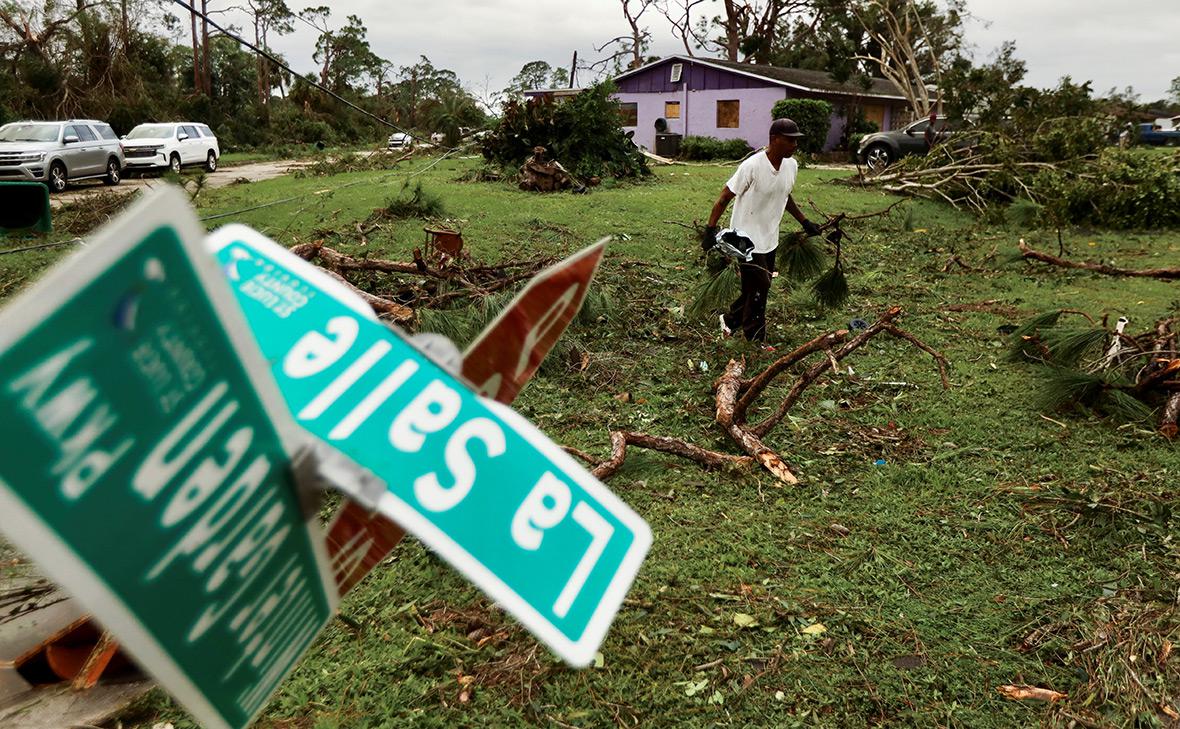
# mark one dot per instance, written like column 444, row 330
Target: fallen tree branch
column 384, row 307
column 673, row 446
column 1161, row 273
column 938, row 358
column 728, row 386
column 734, row 396
column 810, row 376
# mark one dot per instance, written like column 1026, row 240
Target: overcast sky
column 1113, row 44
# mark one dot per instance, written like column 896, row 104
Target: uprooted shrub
column 582, row 132
column 413, row 202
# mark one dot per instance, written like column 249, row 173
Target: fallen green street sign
column 143, row 470
column 476, row 482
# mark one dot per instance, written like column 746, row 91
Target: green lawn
column 996, row 544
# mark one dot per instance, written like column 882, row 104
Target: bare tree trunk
column 205, row 48
column 259, row 62
column 637, row 34
column 198, row 83
column 734, row 24
column 124, row 29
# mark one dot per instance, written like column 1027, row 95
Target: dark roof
column 820, row 81
column 816, row 80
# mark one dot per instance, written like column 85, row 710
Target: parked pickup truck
column 1152, row 134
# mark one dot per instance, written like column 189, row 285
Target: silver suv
column 57, row 153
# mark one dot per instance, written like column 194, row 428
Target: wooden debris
column 735, row 395
column 384, row 307
column 1024, row 693
column 1161, row 273
column 422, row 284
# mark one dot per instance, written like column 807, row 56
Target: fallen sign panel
column 501, row 361
column 471, row 478
column 144, row 464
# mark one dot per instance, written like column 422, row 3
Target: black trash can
column 668, row 144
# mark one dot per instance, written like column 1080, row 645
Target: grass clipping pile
column 735, row 394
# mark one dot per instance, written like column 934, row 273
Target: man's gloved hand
column 810, row 228
column 709, row 237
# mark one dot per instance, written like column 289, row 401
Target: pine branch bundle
column 831, row 289
column 800, row 257
column 1070, row 346
column 715, row 292
column 1128, row 378
column 1026, row 336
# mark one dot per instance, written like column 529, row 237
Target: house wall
column 701, row 87
column 698, row 113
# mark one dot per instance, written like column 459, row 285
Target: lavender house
column 730, row 100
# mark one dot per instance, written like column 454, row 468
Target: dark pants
column 749, row 311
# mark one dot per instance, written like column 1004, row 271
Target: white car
column 398, row 140
column 171, row 146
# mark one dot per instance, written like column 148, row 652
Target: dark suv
column 881, row 149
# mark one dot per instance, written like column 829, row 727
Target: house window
column 671, row 109
column 629, row 114
column 677, row 69
column 728, row 113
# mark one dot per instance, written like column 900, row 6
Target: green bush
column 706, row 148
column 583, row 133
column 813, row 116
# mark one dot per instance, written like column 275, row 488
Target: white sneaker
column 724, row 328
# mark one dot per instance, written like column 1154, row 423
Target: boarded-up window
column 629, row 114
column 728, row 113
column 875, row 113
column 671, row 109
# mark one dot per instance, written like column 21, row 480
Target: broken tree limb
column 755, row 386
column 734, row 395
column 727, row 388
column 1025, row 693
column 938, row 358
column 335, row 260
column 1167, row 274
column 384, row 307
column 673, row 446
column 1169, row 426
column 810, row 376
column 618, row 453
column 581, row 455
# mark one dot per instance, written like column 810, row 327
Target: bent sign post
column 476, row 482
column 144, row 465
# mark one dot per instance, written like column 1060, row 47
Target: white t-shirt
column 762, row 193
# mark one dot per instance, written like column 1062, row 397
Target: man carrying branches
column 762, row 186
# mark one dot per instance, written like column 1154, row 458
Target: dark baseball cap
column 785, row 128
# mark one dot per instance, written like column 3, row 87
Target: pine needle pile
column 1090, row 366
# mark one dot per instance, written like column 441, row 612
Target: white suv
column 171, row 146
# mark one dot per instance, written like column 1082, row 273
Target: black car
column 881, row 149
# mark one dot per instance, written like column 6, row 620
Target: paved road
column 253, row 171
